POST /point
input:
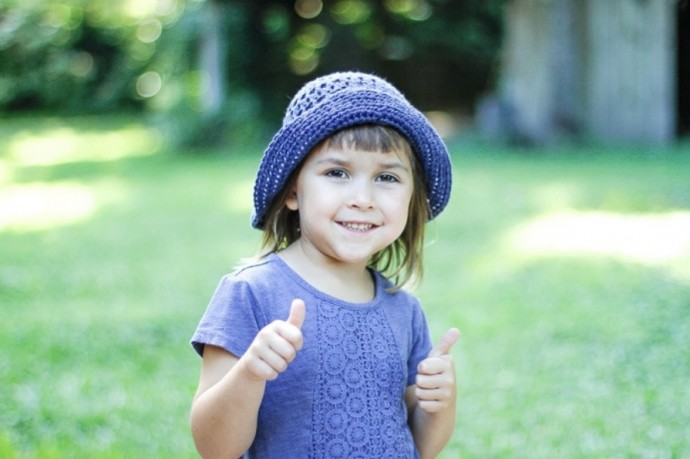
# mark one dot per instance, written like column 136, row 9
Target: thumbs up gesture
column 276, row 345
column 435, row 382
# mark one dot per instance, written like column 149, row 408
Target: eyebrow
column 342, row 162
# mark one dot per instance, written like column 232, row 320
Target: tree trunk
column 631, row 70
column 212, row 59
column 603, row 69
column 526, row 80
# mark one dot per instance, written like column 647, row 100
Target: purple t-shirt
column 343, row 395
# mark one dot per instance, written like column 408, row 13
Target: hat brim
column 293, row 142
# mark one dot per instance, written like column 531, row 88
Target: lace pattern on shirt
column 359, row 397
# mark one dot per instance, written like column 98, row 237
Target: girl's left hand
column 435, row 382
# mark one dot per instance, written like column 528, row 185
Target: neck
column 348, row 282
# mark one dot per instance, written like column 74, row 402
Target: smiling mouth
column 357, row 226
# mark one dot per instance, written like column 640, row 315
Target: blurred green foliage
column 77, row 55
column 98, row 55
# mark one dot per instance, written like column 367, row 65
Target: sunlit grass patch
column 41, row 206
column 61, row 144
column 654, row 239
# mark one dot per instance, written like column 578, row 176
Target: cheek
column 316, row 200
column 399, row 205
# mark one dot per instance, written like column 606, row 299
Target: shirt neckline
column 379, row 286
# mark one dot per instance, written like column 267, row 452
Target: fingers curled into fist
column 276, row 345
column 435, row 381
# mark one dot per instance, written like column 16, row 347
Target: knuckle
column 290, row 356
column 281, row 366
column 429, row 406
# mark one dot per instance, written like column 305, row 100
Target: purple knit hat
column 336, row 101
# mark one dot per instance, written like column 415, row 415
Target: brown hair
column 402, row 260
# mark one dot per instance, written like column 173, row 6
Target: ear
column 291, row 201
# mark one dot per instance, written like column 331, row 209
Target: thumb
column 297, row 311
column 446, row 343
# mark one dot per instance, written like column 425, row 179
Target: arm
column 226, row 405
column 431, row 401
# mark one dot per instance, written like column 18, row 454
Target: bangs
column 369, row 137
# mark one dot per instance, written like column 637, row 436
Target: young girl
column 314, row 350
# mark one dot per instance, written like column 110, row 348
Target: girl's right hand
column 276, row 345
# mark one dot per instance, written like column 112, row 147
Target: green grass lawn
column 567, row 271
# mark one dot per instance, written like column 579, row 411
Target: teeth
column 358, row 226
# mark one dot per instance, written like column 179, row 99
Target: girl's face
column 351, row 203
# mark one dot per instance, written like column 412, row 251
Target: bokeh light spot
column 81, row 64
column 308, row 9
column 149, row 30
column 149, row 84
column 351, row 11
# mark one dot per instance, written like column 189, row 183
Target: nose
column 362, row 195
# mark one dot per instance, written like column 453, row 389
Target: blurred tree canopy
column 94, row 55
column 78, row 55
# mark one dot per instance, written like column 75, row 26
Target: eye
column 388, row 178
column 336, row 173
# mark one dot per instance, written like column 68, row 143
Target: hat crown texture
column 337, row 101
column 322, row 90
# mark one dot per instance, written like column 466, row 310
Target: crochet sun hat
column 336, row 101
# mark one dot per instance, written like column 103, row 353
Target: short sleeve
column 421, row 344
column 232, row 318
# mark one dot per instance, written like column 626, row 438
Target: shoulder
column 268, row 285
column 255, row 273
column 248, row 284
column 399, row 304
column 400, row 297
